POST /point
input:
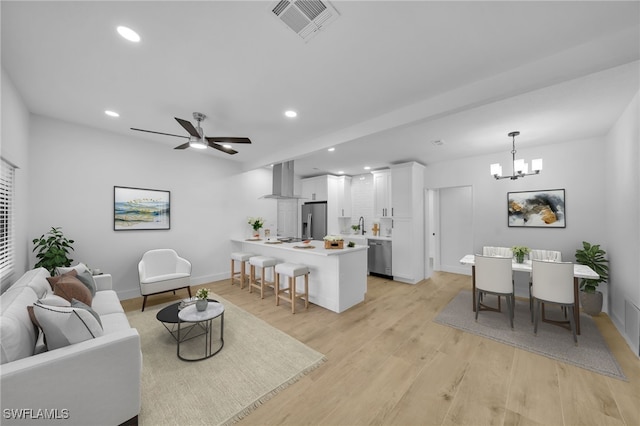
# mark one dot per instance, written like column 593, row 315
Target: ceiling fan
column 198, row 140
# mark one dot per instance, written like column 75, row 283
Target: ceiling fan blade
column 222, row 148
column 188, row 127
column 183, row 146
column 228, row 139
column 160, row 133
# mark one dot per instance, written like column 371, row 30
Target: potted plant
column 333, row 242
column 519, row 252
column 202, row 294
column 592, row 256
column 256, row 223
column 355, row 228
column 53, row 250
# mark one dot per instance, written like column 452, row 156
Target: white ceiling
column 380, row 83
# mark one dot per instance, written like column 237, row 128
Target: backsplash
column 362, row 201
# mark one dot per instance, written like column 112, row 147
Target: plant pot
column 591, row 302
column 201, row 304
column 520, row 258
column 256, row 233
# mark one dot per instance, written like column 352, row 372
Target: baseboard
column 204, row 279
column 456, row 269
column 621, row 329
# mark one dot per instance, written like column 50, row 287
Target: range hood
column 282, row 188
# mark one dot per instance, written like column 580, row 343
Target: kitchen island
column 338, row 278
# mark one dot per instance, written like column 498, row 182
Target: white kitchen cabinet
column 381, row 193
column 315, row 189
column 408, row 222
column 344, row 196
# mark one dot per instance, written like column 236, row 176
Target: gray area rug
column 592, row 352
column 256, row 362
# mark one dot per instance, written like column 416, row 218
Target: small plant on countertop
column 256, row 222
column 519, row 252
column 355, row 228
column 351, row 244
column 333, row 238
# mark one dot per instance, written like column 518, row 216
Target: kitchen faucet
column 361, row 226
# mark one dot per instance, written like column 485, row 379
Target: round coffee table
column 204, row 320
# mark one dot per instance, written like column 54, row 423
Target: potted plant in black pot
column 592, row 256
column 53, row 250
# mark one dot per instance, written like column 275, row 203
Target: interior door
column 456, row 227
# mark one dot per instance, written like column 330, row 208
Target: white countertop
column 365, row 236
column 317, row 250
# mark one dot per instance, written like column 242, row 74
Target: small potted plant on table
column 202, row 302
column 333, row 242
column 256, row 223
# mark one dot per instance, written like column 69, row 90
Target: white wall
column 622, row 201
column 14, row 148
column 74, row 170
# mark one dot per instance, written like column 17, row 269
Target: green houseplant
column 592, row 256
column 355, row 228
column 53, row 250
column 519, row 252
column 201, row 303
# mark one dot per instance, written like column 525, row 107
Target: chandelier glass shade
column 520, row 167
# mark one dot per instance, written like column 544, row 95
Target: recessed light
column 367, row 168
column 331, row 149
column 128, row 34
column 290, row 113
column 111, row 113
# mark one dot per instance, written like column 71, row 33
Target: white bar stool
column 292, row 271
column 240, row 275
column 263, row 262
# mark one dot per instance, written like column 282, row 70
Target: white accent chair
column 553, row 283
column 162, row 270
column 494, row 276
column 546, row 255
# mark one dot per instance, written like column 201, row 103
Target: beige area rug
column 256, row 362
column 592, row 352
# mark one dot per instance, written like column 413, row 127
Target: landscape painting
column 140, row 209
column 537, row 209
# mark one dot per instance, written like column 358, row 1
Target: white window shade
column 6, row 219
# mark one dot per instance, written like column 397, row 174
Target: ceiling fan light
column 197, row 143
column 226, row 145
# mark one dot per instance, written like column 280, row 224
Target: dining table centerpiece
column 333, row 242
column 256, row 223
column 519, row 252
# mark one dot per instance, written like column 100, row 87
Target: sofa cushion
column 115, row 322
column 17, row 331
column 106, row 302
column 36, row 279
column 70, row 288
column 64, row 326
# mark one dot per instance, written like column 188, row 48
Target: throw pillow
column 87, row 279
column 80, row 267
column 78, row 304
column 53, row 300
column 54, row 280
column 70, row 288
column 65, row 326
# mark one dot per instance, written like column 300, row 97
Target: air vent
column 305, row 17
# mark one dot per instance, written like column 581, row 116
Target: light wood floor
column 390, row 364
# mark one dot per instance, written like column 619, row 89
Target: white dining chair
column 553, row 283
column 494, row 276
column 546, row 255
column 497, row 251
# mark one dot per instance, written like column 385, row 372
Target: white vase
column 201, row 304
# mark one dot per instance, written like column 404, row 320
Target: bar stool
column 292, row 271
column 240, row 275
column 263, row 262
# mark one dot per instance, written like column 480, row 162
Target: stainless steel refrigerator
column 314, row 221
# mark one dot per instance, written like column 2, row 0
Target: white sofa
column 93, row 382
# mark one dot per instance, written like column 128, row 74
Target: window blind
column 6, row 219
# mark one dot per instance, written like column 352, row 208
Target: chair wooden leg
column 573, row 324
column 536, row 317
column 233, row 264
column 306, row 291
column 243, row 275
column 252, row 278
column 189, row 290
column 262, row 283
column 277, row 289
column 144, row 302
column 478, row 294
column 510, row 309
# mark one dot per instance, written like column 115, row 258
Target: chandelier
column 520, row 168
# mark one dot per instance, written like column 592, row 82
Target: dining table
column 579, row 271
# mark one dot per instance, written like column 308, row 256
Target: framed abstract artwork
column 141, row 209
column 537, row 209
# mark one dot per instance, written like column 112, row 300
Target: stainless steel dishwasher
column 380, row 258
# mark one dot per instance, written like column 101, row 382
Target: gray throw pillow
column 87, row 279
column 78, row 304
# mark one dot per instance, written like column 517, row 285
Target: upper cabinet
column 382, row 193
column 407, row 189
column 315, row 189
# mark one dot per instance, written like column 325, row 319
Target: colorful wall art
column 537, row 209
column 140, row 209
